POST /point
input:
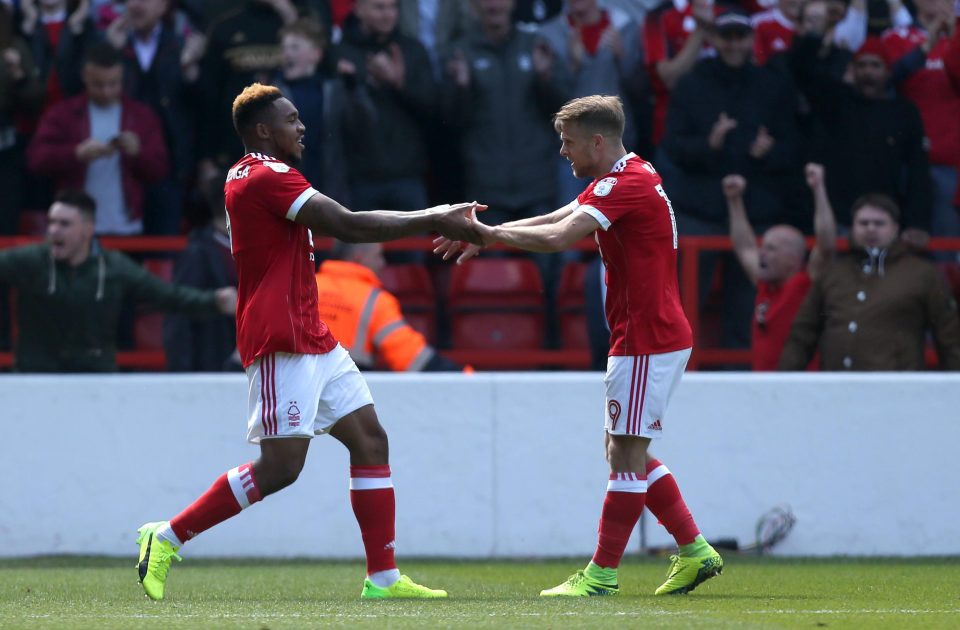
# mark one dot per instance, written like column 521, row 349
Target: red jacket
column 52, row 151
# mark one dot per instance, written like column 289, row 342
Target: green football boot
column 404, row 588
column 581, row 585
column 155, row 558
column 686, row 574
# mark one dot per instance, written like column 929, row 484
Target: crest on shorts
column 293, row 414
column 604, row 186
column 278, row 167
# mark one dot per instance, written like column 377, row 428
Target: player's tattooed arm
column 327, row 217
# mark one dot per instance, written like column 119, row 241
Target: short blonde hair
column 251, row 102
column 596, row 114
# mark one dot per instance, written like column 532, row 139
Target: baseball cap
column 733, row 20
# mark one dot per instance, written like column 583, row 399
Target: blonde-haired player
column 301, row 381
column 650, row 339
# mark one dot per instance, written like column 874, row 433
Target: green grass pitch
column 103, row 593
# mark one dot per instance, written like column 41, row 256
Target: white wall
column 488, row 465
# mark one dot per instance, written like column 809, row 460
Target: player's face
column 872, row 227
column 286, row 131
column 68, row 232
column 103, row 85
column 579, row 149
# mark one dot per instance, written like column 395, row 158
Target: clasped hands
column 461, row 231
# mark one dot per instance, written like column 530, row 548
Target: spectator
column 872, row 308
column 773, row 29
column 320, row 101
column 436, row 24
column 814, row 21
column 70, row 291
column 103, row 142
column 58, row 37
column 534, row 12
column 600, row 49
column 243, row 47
column 204, row 345
column 874, row 141
column 161, row 67
column 365, row 318
column 777, row 268
column 920, row 74
column 391, row 96
column 21, row 94
column 729, row 116
column 850, row 22
column 674, row 39
column 502, row 88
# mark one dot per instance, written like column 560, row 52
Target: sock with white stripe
column 374, row 505
column 622, row 506
column 231, row 493
column 666, row 503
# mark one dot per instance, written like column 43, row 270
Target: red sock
column 371, row 494
column 666, row 503
column 230, row 493
column 621, row 511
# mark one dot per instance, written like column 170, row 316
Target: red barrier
column 690, row 248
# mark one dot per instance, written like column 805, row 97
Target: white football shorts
column 639, row 390
column 302, row 395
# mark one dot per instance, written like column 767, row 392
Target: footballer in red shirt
column 631, row 216
column 777, row 267
column 301, row 381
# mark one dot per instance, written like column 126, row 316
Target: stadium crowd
column 408, row 103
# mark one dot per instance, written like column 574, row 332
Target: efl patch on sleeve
column 604, row 186
column 278, row 167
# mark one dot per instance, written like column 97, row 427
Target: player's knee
column 373, row 447
column 277, row 474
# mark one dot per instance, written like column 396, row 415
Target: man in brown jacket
column 872, row 307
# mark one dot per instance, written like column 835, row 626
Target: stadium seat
column 413, row 287
column 148, row 325
column 571, row 307
column 33, row 223
column 496, row 304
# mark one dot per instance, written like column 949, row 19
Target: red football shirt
column 772, row 33
column 931, row 91
column 277, row 294
column 638, row 243
column 773, row 315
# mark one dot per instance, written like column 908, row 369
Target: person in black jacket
column 391, row 96
column 728, row 115
column 873, row 141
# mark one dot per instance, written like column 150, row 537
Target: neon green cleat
column 155, row 558
column 581, row 585
column 686, row 574
column 404, row 588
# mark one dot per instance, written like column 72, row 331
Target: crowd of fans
column 414, row 102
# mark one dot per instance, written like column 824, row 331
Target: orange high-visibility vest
column 366, row 319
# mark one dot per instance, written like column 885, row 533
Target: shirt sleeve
column 283, row 189
column 606, row 201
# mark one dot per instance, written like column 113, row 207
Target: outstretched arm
column 548, row 237
column 448, row 248
column 824, row 223
column 325, row 216
column 741, row 234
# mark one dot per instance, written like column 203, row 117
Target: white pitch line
column 859, row 611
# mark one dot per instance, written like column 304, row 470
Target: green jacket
column 68, row 316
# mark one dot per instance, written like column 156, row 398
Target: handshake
column 460, row 230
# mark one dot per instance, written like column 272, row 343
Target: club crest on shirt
column 604, row 186
column 278, row 167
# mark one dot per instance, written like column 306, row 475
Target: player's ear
column 262, row 131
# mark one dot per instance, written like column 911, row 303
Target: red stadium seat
column 496, row 304
column 33, row 223
column 148, row 326
column 571, row 307
column 413, row 287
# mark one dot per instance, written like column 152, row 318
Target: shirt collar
column 621, row 164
